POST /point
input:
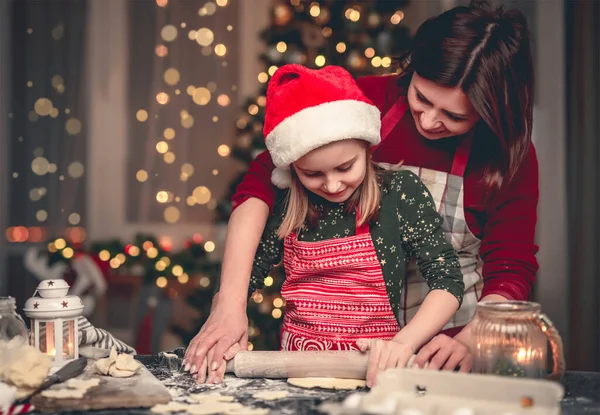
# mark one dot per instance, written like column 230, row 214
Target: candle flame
column 524, row 354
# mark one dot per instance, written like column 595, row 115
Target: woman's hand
column 220, row 338
column 384, row 354
column 445, row 352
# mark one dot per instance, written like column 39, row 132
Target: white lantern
column 53, row 315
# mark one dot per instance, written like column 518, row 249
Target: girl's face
column 334, row 171
column 439, row 111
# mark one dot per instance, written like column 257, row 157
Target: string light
column 281, row 47
column 220, row 50
column 263, row 77
column 397, row 17
column 223, row 150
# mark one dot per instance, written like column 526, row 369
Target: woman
column 459, row 115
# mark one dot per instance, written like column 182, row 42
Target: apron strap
column 361, row 229
column 393, row 116
column 461, row 156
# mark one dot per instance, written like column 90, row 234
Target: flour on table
column 327, row 383
column 271, row 395
column 64, row 393
column 211, row 397
column 83, row 384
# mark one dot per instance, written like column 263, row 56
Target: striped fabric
column 100, row 338
column 335, row 294
column 17, row 409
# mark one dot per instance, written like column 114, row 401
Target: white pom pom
column 281, row 177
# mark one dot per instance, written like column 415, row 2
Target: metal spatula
column 70, row 370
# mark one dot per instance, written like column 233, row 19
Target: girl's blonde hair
column 299, row 210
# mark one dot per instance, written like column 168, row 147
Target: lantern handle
column 556, row 346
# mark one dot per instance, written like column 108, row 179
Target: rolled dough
column 327, row 383
column 271, row 395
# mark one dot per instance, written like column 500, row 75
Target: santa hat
column 308, row 108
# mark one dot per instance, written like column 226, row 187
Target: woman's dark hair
column 486, row 52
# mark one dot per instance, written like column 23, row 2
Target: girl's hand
column 384, row 354
column 444, row 352
column 220, row 338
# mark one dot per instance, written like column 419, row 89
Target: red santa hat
column 308, row 108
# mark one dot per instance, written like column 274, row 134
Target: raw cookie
column 24, row 367
column 271, row 395
column 170, row 407
column 327, row 383
column 83, row 384
column 211, row 397
column 212, row 408
column 63, row 393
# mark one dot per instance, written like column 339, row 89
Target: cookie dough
column 117, row 365
column 24, row 367
column 271, row 395
column 327, row 383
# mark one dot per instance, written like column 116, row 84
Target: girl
column 344, row 229
column 459, row 114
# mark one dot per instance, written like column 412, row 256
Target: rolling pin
column 284, row 364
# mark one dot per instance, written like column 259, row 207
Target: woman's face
column 438, row 111
column 334, row 171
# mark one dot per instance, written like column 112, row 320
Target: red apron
column 335, row 294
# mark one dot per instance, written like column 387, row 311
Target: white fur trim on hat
column 281, row 177
column 317, row 126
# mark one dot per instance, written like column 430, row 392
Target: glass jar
column 510, row 338
column 13, row 331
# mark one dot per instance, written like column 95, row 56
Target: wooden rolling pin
column 283, row 364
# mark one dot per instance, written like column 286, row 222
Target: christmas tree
column 361, row 36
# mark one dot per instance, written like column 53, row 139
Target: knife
column 68, row 371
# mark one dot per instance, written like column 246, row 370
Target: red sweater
column 506, row 226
